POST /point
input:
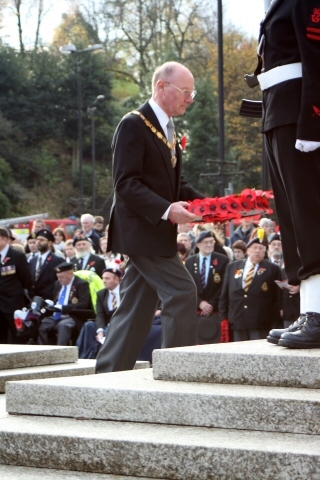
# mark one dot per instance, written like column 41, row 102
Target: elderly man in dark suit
column 85, row 258
column 15, row 277
column 290, row 58
column 150, row 200
column 43, row 265
column 207, row 269
column 70, row 294
column 249, row 293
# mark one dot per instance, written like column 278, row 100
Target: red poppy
column 184, row 141
column 19, row 323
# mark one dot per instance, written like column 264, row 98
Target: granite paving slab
column 157, row 451
column 16, row 356
column 9, row 472
column 136, row 397
column 253, row 363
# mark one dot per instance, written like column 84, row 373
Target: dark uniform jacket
column 250, row 310
column 295, row 26
column 145, row 185
column 43, row 286
column 95, row 264
column 104, row 315
column 218, row 265
column 15, row 276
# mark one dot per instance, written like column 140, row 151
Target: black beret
column 255, row 240
column 80, row 238
column 10, row 234
column 113, row 270
column 32, row 236
column 203, row 235
column 275, row 236
column 64, row 267
column 46, row 234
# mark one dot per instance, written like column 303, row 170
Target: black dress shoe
column 275, row 334
column 307, row 337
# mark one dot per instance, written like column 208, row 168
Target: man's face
column 87, row 225
column 172, row 100
column 38, row 225
column 256, row 252
column 246, row 224
column 98, row 226
column 83, row 247
column 70, row 251
column 206, row 246
column 184, row 227
column 275, row 248
column 110, row 280
column 238, row 254
column 185, row 239
column 43, row 244
column 65, row 277
column 32, row 244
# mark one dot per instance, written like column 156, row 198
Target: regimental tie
column 57, row 315
column 203, row 273
column 114, row 301
column 249, row 278
column 171, row 138
column 80, row 263
column 39, row 268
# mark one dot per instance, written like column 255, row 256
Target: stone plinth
column 17, row 356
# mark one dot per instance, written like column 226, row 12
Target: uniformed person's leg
column 64, row 327
column 47, row 325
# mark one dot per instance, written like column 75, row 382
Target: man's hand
column 100, row 337
column 206, row 308
column 307, row 145
column 179, row 213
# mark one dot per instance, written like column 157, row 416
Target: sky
column 244, row 14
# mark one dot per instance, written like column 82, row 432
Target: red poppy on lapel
column 316, row 110
column 315, row 17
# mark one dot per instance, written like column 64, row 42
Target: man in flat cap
column 249, row 293
column 15, row 277
column 85, row 258
column 207, row 269
column 70, row 294
column 43, row 265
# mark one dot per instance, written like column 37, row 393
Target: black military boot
column 275, row 334
column 308, row 336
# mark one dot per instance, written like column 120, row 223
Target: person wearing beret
column 289, row 55
column 85, row 258
column 207, row 269
column 249, row 293
column 32, row 246
column 15, row 278
column 70, row 294
column 43, row 265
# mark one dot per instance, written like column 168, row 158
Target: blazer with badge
column 79, row 298
column 295, row 26
column 146, row 184
column 211, row 293
column 253, row 309
column 15, row 276
column 95, row 264
column 43, row 286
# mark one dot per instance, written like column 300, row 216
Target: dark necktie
column 203, row 273
column 249, row 278
column 57, row 316
column 39, row 268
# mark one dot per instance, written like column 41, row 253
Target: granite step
column 157, row 451
column 136, row 397
column 252, row 363
column 17, row 356
column 9, row 472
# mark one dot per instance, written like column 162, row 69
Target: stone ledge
column 170, row 452
column 136, row 397
column 19, row 356
column 245, row 363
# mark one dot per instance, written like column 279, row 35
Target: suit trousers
column 63, row 328
column 295, row 178
column 146, row 281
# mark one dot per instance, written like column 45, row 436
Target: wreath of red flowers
column 220, row 209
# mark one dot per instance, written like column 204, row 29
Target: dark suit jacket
column 253, row 309
column 15, row 276
column 95, row 264
column 43, row 287
column 218, row 265
column 79, row 298
column 145, row 185
column 104, row 315
column 291, row 29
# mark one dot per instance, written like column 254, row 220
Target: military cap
column 203, row 235
column 113, row 270
column 64, row 267
column 81, row 238
column 46, row 234
column 275, row 236
column 32, row 236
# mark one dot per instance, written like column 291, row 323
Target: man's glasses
column 185, row 93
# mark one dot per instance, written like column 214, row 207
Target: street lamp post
column 68, row 50
column 91, row 111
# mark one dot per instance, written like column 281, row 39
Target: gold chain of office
column 171, row 146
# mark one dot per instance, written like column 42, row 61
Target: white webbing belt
column 280, row 74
